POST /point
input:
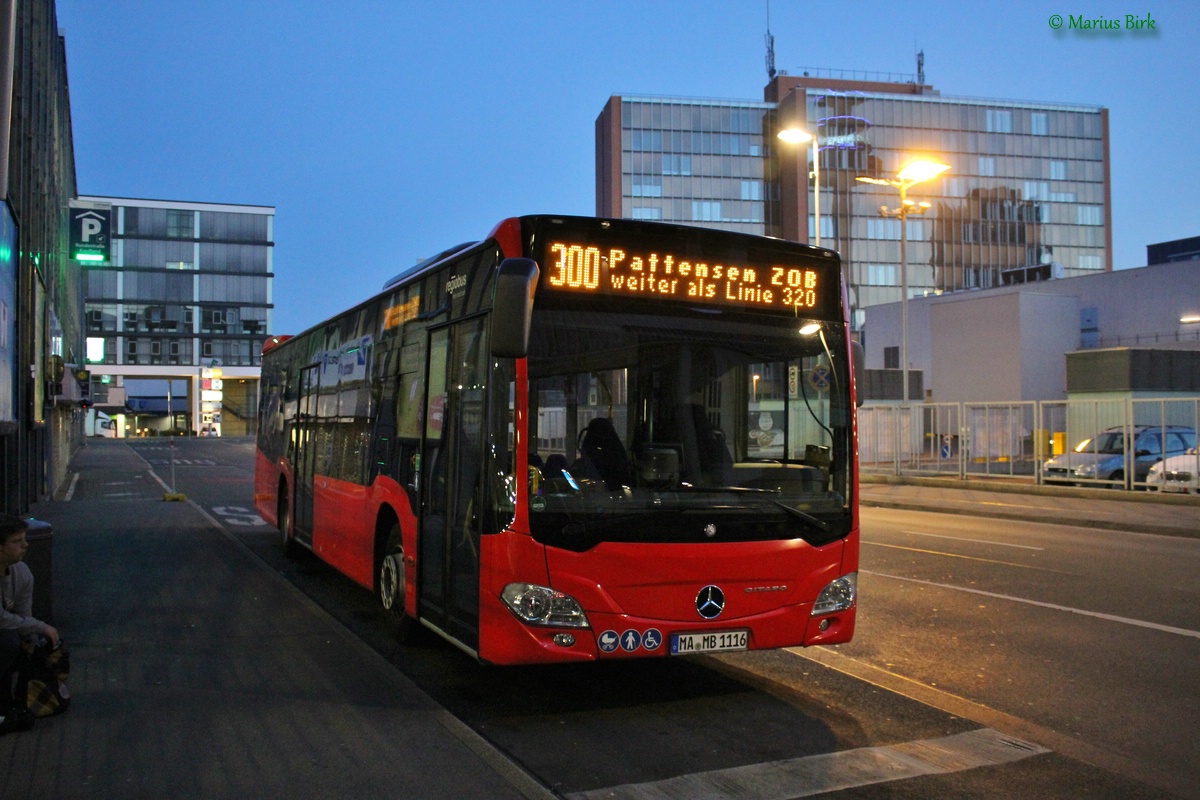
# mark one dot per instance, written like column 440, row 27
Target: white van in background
column 99, row 424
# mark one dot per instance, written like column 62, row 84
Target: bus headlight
column 540, row 605
column 837, row 596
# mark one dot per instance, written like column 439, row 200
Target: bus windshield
column 695, row 426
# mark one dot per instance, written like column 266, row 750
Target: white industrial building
column 1049, row 339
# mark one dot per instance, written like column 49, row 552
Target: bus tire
column 390, row 584
column 284, row 517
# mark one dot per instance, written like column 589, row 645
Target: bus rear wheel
column 391, row 585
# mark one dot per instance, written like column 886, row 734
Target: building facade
column 1175, row 250
column 698, row 162
column 41, row 332
column 177, row 317
column 1028, row 185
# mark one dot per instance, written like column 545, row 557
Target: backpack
column 42, row 681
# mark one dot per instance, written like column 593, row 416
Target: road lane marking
column 967, row 558
column 71, row 488
column 975, row 541
column 830, row 772
column 239, row 516
column 1053, row 606
column 998, row 503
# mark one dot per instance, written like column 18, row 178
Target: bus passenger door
column 304, row 450
column 452, row 480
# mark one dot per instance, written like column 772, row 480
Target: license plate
column 683, row 644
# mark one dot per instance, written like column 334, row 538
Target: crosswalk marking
column 829, row 772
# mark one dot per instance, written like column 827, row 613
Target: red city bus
column 581, row 439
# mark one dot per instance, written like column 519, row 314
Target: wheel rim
column 391, row 581
column 285, row 523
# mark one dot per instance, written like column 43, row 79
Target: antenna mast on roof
column 770, row 46
column 920, row 67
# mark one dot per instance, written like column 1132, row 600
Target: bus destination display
column 615, row 271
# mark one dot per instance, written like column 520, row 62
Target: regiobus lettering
column 581, row 439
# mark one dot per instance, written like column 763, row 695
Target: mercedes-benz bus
column 580, row 439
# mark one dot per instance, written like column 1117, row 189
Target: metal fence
column 1019, row 439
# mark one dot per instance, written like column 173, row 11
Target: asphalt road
column 1092, row 635
column 1074, row 641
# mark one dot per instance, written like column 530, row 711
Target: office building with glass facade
column 1026, row 197
column 700, row 162
column 186, row 295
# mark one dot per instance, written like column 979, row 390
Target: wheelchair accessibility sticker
column 630, row 640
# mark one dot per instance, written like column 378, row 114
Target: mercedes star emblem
column 710, row 602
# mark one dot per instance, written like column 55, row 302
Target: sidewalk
column 1137, row 512
column 198, row 672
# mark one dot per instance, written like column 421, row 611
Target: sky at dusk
column 386, row 131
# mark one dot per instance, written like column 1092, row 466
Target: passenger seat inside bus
column 556, row 464
column 603, row 455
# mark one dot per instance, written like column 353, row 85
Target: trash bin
column 40, row 558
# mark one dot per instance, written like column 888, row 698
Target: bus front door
column 452, row 467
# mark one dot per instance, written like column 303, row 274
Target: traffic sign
column 820, row 378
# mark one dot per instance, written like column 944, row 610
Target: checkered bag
column 43, row 678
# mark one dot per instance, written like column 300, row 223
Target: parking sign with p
column 90, row 233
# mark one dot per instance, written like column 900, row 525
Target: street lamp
column 913, row 173
column 800, row 136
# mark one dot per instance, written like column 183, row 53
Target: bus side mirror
column 512, row 307
column 858, row 358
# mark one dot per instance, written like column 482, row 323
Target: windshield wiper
column 584, row 527
column 593, row 526
column 687, row 488
column 816, row 522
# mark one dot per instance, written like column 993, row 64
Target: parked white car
column 1177, row 474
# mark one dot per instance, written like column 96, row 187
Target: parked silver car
column 1102, row 457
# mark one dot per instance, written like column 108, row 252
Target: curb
column 1017, row 516
column 1019, row 486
